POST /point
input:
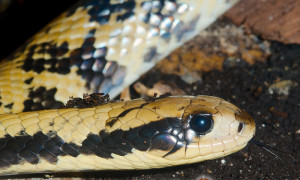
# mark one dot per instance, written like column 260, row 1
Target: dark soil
column 277, row 119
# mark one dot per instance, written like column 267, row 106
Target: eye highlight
column 201, row 123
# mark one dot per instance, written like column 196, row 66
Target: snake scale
column 104, row 46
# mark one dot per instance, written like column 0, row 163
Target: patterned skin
column 103, row 46
column 138, row 134
column 99, row 46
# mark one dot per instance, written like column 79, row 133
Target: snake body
column 99, row 46
column 103, row 46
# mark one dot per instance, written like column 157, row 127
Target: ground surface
column 250, row 85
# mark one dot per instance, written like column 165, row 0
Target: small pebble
column 223, row 161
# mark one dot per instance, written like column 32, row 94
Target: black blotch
column 98, row 7
column 179, row 145
column 123, row 145
column 126, row 112
column 37, row 106
column 29, row 156
column 89, row 145
column 75, row 57
column 89, row 42
column 27, row 65
column 174, row 122
column 40, row 99
column 164, row 142
column 54, row 64
column 147, row 132
column 57, row 141
column 92, row 145
column 15, row 144
column 29, row 80
column 7, row 155
column 38, row 65
column 88, row 64
column 128, row 6
column 124, row 16
column 149, row 57
column 111, row 122
column 34, row 146
column 70, row 149
column 144, row 104
column 110, row 146
column 48, row 156
column 40, row 138
column 136, row 141
column 83, row 58
column 9, row 106
column 63, row 66
column 162, row 126
column 51, row 147
column 63, row 49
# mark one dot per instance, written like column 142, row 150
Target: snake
column 104, row 46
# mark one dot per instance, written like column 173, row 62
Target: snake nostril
column 241, row 126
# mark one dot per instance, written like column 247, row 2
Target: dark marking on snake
column 99, row 74
column 111, row 122
column 123, row 114
column 181, row 108
column 101, row 11
column 182, row 30
column 9, row 106
column 148, row 57
column 22, row 133
column 29, row 80
column 167, row 135
column 144, row 104
column 55, row 64
column 41, row 98
column 91, row 62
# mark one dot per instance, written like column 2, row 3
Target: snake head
column 192, row 129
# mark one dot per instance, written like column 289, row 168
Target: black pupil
column 201, row 124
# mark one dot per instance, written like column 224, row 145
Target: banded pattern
column 99, row 46
column 138, row 134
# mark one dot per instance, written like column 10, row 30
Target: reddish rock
column 271, row 19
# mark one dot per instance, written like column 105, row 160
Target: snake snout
column 246, row 127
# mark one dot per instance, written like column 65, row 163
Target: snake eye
column 201, row 124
